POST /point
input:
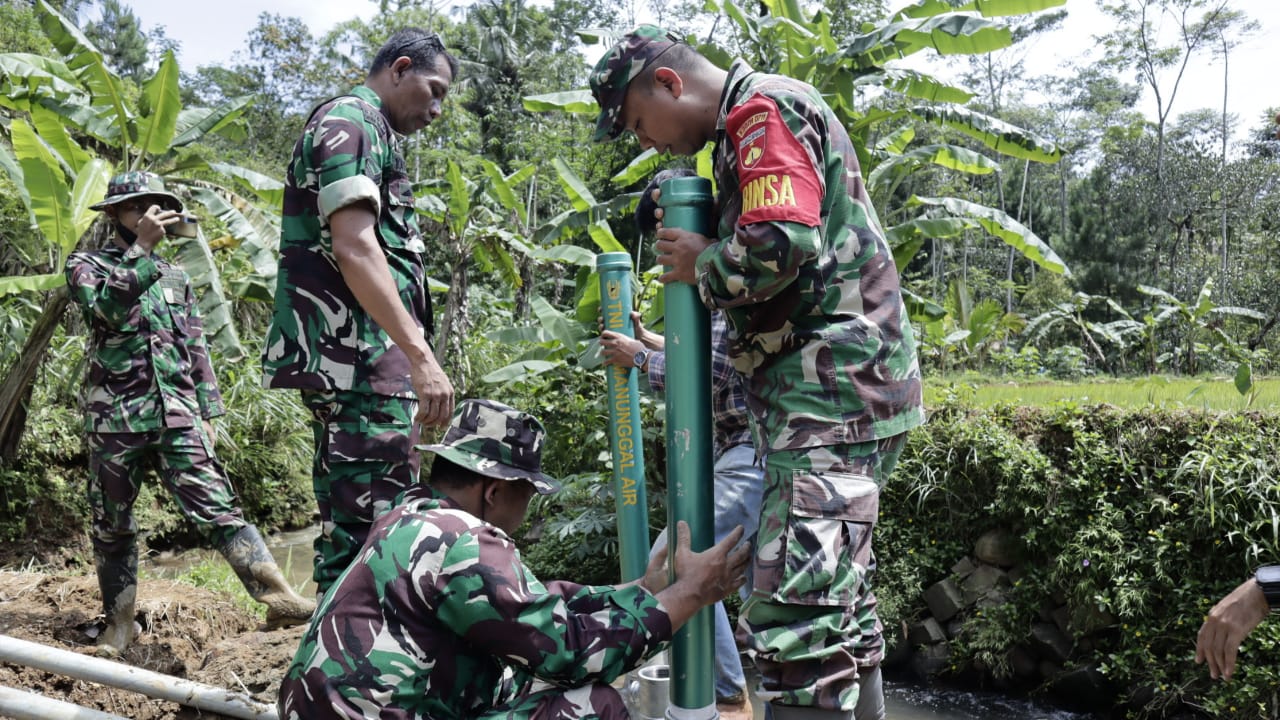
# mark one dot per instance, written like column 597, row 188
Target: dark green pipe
column 686, row 203
column 624, row 421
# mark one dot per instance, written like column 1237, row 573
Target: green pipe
column 686, row 203
column 624, row 421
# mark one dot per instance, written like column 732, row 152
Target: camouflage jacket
column 320, row 337
column 148, row 365
column 817, row 324
column 439, row 618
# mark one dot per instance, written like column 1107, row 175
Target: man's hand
column 706, row 577
column 434, row 391
column 679, row 249
column 618, row 349
column 151, row 226
column 211, row 433
column 1226, row 627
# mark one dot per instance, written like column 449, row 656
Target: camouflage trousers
column 810, row 621
column 364, row 458
column 184, row 459
column 543, row 701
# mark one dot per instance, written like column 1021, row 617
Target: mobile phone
column 184, row 227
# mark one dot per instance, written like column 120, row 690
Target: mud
column 187, row 632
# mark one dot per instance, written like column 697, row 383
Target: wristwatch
column 640, row 358
column 1268, row 578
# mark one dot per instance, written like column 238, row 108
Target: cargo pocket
column 828, row 538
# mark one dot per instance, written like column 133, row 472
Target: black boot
column 248, row 556
column 118, row 581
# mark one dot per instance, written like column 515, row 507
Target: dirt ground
column 188, row 632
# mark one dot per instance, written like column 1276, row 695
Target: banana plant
column 62, row 109
column 474, row 221
column 1201, row 317
column 786, row 38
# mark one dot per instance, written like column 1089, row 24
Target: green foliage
column 1140, row 520
column 213, row 573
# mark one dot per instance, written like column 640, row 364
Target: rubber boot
column 118, row 581
column 248, row 556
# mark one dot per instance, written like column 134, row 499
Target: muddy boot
column 248, row 556
column 118, row 581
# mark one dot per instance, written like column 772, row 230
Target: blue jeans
column 739, row 485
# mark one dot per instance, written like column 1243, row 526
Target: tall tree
column 118, row 34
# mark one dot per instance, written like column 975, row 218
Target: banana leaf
column 46, row 185
column 570, row 101
column 194, row 255
column 994, row 133
column 999, row 224
column 194, row 123
column 30, row 283
column 106, row 91
column 160, row 105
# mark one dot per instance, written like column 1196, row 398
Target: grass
column 1212, row 393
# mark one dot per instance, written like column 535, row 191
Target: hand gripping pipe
column 686, row 203
column 624, row 421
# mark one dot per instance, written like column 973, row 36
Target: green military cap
column 138, row 183
column 496, row 441
column 615, row 71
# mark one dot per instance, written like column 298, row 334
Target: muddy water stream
column 903, row 701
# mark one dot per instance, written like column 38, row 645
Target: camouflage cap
column 615, row 71
column 137, row 183
column 496, row 441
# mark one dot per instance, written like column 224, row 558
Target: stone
column 983, row 580
column 998, row 547
column 928, row 632
column 962, row 568
column 931, row 660
column 1090, row 619
column 1083, row 689
column 944, row 600
column 1050, row 642
column 1062, row 618
column 1023, row 662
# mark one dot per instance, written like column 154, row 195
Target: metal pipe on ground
column 127, row 677
column 22, row 705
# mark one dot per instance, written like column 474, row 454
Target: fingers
column 435, row 410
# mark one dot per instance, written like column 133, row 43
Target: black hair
column 680, row 57
column 646, row 223
column 420, row 46
column 447, row 473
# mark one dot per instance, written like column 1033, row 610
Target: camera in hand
column 185, row 227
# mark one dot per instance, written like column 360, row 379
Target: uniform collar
column 738, row 72
column 365, row 93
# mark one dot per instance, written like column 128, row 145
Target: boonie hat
column 496, row 441
column 138, row 183
column 615, row 71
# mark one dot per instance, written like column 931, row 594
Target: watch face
column 639, row 358
column 1269, row 574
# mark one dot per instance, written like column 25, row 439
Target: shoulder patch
column 775, row 175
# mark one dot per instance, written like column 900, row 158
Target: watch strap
column 1268, row 579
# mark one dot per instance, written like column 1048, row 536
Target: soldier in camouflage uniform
column 151, row 394
column 818, row 328
column 439, row 618
column 353, row 319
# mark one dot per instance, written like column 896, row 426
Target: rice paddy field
column 1212, row 393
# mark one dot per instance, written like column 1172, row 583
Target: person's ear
column 670, row 80
column 400, row 66
column 490, row 493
